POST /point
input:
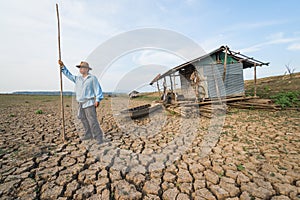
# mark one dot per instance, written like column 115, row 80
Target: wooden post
column 225, row 63
column 61, row 83
column 171, row 83
column 254, row 79
column 174, row 82
column 165, row 88
column 159, row 93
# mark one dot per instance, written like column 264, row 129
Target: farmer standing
column 88, row 95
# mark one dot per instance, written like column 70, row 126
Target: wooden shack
column 216, row 74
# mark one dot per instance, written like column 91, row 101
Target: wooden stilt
column 172, row 89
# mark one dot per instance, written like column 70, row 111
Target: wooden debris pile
column 255, row 103
column 212, row 107
column 208, row 109
column 195, row 111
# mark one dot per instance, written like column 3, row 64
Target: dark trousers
column 88, row 117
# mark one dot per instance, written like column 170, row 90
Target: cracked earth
column 254, row 154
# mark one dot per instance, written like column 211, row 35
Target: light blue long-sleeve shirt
column 87, row 89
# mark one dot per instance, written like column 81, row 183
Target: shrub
column 286, row 99
column 240, row 167
column 38, row 112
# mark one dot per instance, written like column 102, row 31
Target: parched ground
column 255, row 154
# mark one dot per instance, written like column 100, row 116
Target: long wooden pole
column 61, row 83
column 255, row 80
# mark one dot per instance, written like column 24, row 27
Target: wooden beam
column 155, row 79
column 225, row 65
column 216, row 101
column 252, row 59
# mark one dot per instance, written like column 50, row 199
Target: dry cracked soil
column 252, row 154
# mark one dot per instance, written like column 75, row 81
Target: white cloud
column 250, row 49
column 273, row 39
column 275, row 36
column 252, row 25
column 138, row 77
column 157, row 57
column 161, row 7
column 80, row 17
column 294, row 47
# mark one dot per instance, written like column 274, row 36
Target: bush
column 38, row 112
column 286, row 99
column 240, row 167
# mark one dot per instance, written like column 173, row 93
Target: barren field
column 255, row 154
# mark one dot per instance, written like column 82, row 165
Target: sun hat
column 84, row 64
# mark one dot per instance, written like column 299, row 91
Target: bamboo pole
column 217, row 101
column 61, row 83
column 255, row 80
column 225, row 65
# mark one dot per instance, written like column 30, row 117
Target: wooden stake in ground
column 61, row 83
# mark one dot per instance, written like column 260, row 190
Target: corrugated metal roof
column 247, row 62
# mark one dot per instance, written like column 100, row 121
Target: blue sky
column 267, row 30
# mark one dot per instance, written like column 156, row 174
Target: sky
column 267, row 30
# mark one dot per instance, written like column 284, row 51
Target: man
column 88, row 95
